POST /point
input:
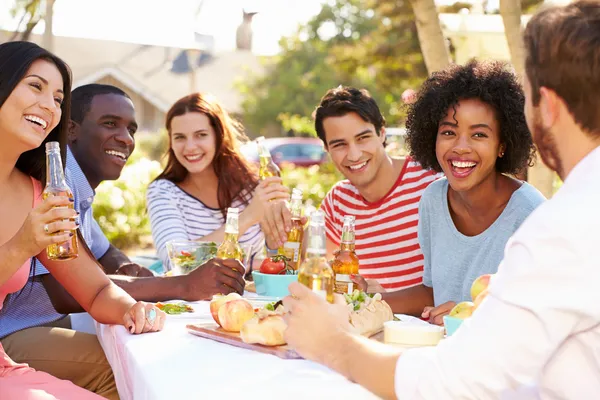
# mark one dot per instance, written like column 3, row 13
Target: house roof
column 149, row 70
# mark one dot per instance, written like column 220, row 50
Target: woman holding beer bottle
column 205, row 175
column 34, row 112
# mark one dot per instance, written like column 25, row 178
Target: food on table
column 409, row 334
column 267, row 326
column 234, row 314
column 315, row 272
column 276, row 265
column 462, row 310
column 345, row 262
column 188, row 260
column 368, row 312
column 292, row 248
column 218, row 300
column 479, row 285
column 230, row 248
column 479, row 299
column 173, row 309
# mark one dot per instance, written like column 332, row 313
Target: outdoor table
column 174, row 364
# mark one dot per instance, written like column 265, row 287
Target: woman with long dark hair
column 35, row 91
column 205, row 175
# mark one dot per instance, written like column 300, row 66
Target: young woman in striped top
column 206, row 174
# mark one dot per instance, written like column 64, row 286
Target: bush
column 120, row 206
column 314, row 181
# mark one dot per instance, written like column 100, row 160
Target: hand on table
column 435, row 314
column 135, row 270
column 144, row 317
column 216, row 276
column 313, row 324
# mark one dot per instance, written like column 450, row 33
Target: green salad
column 188, row 261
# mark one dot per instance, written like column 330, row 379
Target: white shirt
column 537, row 334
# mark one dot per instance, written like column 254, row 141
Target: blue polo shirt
column 31, row 306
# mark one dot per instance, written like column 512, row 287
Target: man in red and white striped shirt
column 382, row 192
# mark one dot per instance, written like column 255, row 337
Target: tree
column 370, row 44
column 433, row 44
column 510, row 10
column 32, row 14
column 539, row 175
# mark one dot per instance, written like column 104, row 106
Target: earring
column 501, row 154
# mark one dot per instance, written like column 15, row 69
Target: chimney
column 243, row 37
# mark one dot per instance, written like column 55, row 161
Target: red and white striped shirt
column 386, row 231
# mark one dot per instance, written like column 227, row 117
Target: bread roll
column 265, row 328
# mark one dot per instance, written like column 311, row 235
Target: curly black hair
column 492, row 82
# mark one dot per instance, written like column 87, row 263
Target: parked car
column 301, row 151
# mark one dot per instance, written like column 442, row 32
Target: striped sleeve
column 166, row 220
column 333, row 226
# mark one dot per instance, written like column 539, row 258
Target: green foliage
column 314, row 181
column 301, row 126
column 370, row 44
column 120, row 206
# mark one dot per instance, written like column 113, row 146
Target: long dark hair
column 15, row 60
column 236, row 177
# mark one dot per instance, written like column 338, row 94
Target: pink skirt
column 20, row 382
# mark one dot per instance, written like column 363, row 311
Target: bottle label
column 292, row 250
column 343, row 284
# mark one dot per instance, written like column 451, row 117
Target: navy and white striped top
column 177, row 215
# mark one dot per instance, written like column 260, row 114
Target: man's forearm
column 367, row 362
column 113, row 259
column 151, row 289
column 141, row 289
column 410, row 301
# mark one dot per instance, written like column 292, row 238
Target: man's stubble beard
column 546, row 146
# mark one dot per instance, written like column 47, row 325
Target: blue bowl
column 451, row 324
column 272, row 285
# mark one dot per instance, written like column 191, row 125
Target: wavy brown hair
column 237, row 178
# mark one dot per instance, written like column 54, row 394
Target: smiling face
column 193, row 141
column 355, row 148
column 33, row 109
column 468, row 144
column 104, row 140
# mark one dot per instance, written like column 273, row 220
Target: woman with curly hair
column 468, row 122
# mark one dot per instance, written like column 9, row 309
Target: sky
column 172, row 22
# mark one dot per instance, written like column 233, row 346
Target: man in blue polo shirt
column 33, row 327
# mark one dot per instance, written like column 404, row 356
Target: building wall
column 149, row 118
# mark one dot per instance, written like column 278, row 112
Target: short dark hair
column 15, row 60
column 344, row 100
column 563, row 54
column 492, row 82
column 82, row 96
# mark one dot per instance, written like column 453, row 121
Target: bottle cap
column 232, row 210
column 317, row 218
column 51, row 146
column 296, row 193
column 349, row 219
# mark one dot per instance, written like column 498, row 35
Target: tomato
column 185, row 253
column 274, row 265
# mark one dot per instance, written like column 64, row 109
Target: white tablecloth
column 174, row 364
